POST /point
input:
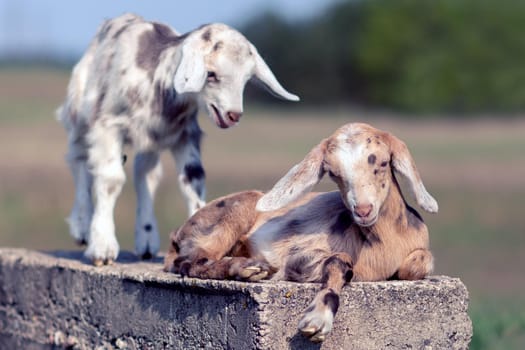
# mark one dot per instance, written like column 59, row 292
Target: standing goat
column 364, row 232
column 141, row 83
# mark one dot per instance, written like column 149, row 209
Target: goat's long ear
column 404, row 164
column 264, row 74
column 191, row 71
column 297, row 182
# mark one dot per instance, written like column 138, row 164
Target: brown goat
column 363, row 232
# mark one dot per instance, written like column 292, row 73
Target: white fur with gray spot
column 141, row 83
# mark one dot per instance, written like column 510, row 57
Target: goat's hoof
column 260, row 276
column 146, row 256
column 317, row 323
column 98, row 262
column 249, row 271
column 184, row 268
column 318, row 338
column 253, row 271
column 313, row 334
column 81, row 242
column 308, row 331
column 101, row 262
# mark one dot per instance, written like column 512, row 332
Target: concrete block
column 51, row 300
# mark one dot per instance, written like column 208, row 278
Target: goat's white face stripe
column 227, row 93
column 348, row 156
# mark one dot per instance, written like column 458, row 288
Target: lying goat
column 140, row 83
column 364, row 232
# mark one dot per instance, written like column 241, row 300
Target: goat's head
column 359, row 159
column 216, row 62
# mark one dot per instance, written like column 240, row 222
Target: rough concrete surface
column 54, row 300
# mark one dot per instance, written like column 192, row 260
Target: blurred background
column 446, row 76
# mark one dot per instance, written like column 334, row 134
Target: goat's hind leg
column 105, row 161
column 236, row 268
column 417, row 265
column 214, row 265
column 211, row 244
column 191, row 174
column 147, row 174
column 318, row 318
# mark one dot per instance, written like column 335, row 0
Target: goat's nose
column 363, row 210
column 234, row 116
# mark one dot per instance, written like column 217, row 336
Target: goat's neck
column 164, row 82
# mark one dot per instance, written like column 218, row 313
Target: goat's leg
column 105, row 161
column 147, row 172
column 191, row 174
column 214, row 232
column 318, row 318
column 416, row 265
column 80, row 218
column 237, row 268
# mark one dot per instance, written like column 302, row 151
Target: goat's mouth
column 219, row 120
column 366, row 221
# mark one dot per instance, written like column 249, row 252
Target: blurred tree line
column 409, row 55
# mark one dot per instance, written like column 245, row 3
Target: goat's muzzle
column 225, row 121
column 363, row 210
column 234, row 116
column 363, row 214
column 221, row 123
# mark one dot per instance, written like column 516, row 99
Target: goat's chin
column 221, row 122
column 366, row 222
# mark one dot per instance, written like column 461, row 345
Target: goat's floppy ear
column 267, row 78
column 297, row 182
column 191, row 71
column 404, row 164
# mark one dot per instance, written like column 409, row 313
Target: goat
column 364, row 232
column 141, row 83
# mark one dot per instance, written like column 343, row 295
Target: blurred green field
column 474, row 168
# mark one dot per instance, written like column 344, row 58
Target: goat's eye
column 212, row 77
column 384, row 164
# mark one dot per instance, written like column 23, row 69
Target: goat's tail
column 58, row 114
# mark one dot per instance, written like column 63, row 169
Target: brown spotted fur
column 315, row 237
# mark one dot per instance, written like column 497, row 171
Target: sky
column 65, row 27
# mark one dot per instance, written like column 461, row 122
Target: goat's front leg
column 147, row 172
column 191, row 174
column 105, row 161
column 80, row 218
column 318, row 318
